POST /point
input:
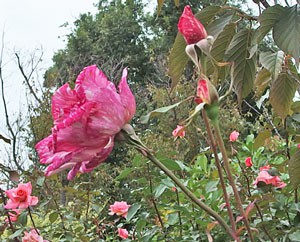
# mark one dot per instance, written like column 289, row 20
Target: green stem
column 212, row 145
column 191, row 195
column 231, row 179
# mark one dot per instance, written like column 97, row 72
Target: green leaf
column 272, row 62
column 281, row 94
column 286, row 31
column 267, row 21
column 173, row 218
column 52, row 217
column 144, row 119
column 16, row 234
column 260, row 139
column 294, row 169
column 243, row 69
column 40, row 181
column 132, row 211
column 201, row 162
column 261, row 81
column 124, row 173
column 159, row 190
column 177, row 60
column 22, row 219
column 207, row 14
column 218, row 25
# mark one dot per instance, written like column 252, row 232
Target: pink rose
column 298, row 146
column 248, row 162
column 234, row 136
column 13, row 215
column 20, row 197
column 119, row 208
column 206, row 92
column 86, row 121
column 179, row 131
column 123, row 233
column 265, row 177
column 33, row 236
column 190, row 27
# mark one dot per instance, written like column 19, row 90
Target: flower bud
column 190, row 27
column 206, row 92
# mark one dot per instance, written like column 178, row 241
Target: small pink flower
column 20, row 197
column 174, row 189
column 248, row 162
column 119, row 208
column 234, row 136
column 123, row 233
column 13, row 215
column 298, row 146
column 86, row 121
column 265, row 177
column 179, row 131
column 32, row 236
column 190, row 27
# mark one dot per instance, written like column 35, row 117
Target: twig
column 31, row 218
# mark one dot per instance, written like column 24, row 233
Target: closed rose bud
column 206, row 92
column 190, row 27
column 234, row 136
column 248, row 162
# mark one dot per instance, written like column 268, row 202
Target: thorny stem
column 127, row 134
column 31, row 218
column 152, row 198
column 212, row 145
column 231, row 179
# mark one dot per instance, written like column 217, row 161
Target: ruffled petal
column 127, row 98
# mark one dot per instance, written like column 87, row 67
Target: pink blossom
column 119, row 208
column 234, row 136
column 298, row 146
column 248, row 162
column 179, row 131
column 190, row 27
column 206, row 92
column 86, row 121
column 123, row 233
column 33, row 236
column 13, row 215
column 20, row 197
column 265, row 177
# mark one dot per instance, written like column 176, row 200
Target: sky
column 28, row 25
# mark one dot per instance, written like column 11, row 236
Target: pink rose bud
column 265, row 177
column 86, row 121
column 190, row 27
column 248, row 162
column 206, row 92
column 234, row 136
column 119, row 208
column 179, row 131
column 20, row 197
column 298, row 146
column 123, row 233
column 33, row 236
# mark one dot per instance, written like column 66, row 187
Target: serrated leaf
column 159, row 190
column 177, row 60
column 132, row 211
column 159, row 6
column 52, row 217
column 281, row 94
column 286, row 31
column 207, row 14
column 260, row 139
column 144, row 119
column 218, row 50
column 217, row 26
column 267, row 20
column 272, row 62
column 261, row 81
column 294, row 169
column 243, row 69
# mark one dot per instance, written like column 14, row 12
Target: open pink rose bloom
column 33, row 236
column 20, row 197
column 119, row 208
column 123, row 233
column 190, row 27
column 86, row 121
column 265, row 177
